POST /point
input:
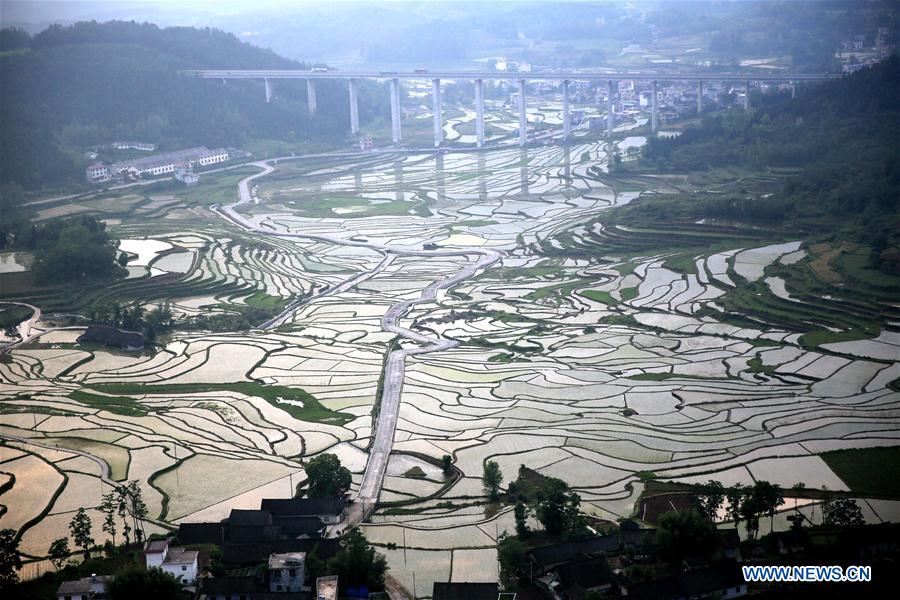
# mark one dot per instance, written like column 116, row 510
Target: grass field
column 868, row 470
column 311, row 410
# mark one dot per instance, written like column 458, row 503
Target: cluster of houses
column 180, row 163
column 569, row 570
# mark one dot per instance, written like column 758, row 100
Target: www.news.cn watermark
column 781, row 573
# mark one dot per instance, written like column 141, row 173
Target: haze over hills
column 90, row 83
column 615, row 336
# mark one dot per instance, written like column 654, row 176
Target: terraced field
column 554, row 339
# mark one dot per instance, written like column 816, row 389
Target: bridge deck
column 537, row 76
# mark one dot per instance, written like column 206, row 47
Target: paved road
column 393, row 375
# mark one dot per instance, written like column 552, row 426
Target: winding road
column 395, row 365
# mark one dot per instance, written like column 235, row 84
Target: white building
column 97, row 173
column 143, row 146
column 287, row 572
column 165, row 163
column 186, row 175
column 180, row 563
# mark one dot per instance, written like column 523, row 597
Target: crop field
column 582, row 353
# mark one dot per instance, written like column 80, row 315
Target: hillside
column 92, row 83
column 832, row 152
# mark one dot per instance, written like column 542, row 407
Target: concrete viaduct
column 566, row 78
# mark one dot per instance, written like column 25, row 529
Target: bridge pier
column 747, row 95
column 793, row 89
column 654, row 108
column 479, row 112
column 354, row 107
column 437, row 107
column 268, row 89
column 311, row 95
column 523, row 119
column 567, row 118
column 699, row 96
column 395, row 110
column 609, row 109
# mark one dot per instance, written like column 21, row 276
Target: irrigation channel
column 394, row 366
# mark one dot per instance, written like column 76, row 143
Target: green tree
column 80, row 528
column 327, row 478
column 492, row 479
column 735, row 497
column 844, row 512
column 122, row 502
column 685, row 532
column 558, row 507
column 751, row 508
column 137, row 508
column 59, row 552
column 357, row 564
column 709, row 498
column 9, row 559
column 511, row 555
column 447, row 464
column 108, row 508
column 521, row 515
column 137, row 583
column 798, row 489
column 768, row 498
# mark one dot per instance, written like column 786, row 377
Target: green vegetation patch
column 119, row 405
column 311, row 409
column 867, row 470
column 13, row 314
column 415, row 472
column 599, row 296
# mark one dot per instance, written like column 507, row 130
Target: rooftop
column 287, row 559
column 303, row 507
column 80, row 586
column 156, row 546
column 327, row 587
column 464, row 591
column 180, row 556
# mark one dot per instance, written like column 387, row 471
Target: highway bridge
column 521, row 78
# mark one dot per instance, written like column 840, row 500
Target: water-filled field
column 576, row 356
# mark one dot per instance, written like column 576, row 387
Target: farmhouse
column 106, row 334
column 180, row 563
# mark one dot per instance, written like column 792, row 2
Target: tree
column 108, row 508
column 710, row 497
column 327, row 478
column 511, row 555
column 122, row 510
column 735, row 497
column 685, row 532
column 521, row 515
column 9, row 558
column 844, row 512
column 558, row 508
column 137, row 583
column 80, row 527
column 357, row 564
column 768, row 498
column 59, row 552
column 798, row 488
column 137, row 507
column 447, row 464
column 751, row 508
column 492, row 479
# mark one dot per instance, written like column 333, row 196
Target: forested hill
column 841, row 137
column 90, row 83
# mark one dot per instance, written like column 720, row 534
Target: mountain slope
column 92, row 83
